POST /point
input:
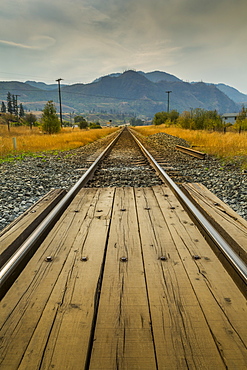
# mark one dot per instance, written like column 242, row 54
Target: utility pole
column 60, row 103
column 168, row 100
column 16, row 106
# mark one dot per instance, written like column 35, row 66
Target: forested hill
column 136, row 92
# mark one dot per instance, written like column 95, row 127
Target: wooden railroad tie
column 192, row 152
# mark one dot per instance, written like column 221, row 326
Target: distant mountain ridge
column 155, row 76
column 232, row 93
column 42, row 85
column 132, row 92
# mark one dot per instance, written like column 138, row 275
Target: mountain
column 25, row 92
column 133, row 92
column 155, row 76
column 42, row 85
column 158, row 76
column 130, row 92
column 15, row 86
column 232, row 93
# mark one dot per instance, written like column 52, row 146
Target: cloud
column 88, row 38
column 41, row 42
column 36, row 43
column 15, row 44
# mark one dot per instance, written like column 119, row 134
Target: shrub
column 30, row 119
column 94, row 125
column 82, row 123
column 49, row 121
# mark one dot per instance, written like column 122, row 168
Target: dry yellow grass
column 31, row 141
column 229, row 146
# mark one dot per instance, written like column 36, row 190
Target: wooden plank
column 47, row 314
column 14, row 234
column 223, row 306
column 223, row 218
column 146, row 313
column 123, row 336
column 181, row 334
column 55, row 239
column 191, row 152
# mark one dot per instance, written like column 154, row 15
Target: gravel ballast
column 226, row 180
column 24, row 182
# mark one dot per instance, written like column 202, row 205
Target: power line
column 38, row 90
column 74, row 93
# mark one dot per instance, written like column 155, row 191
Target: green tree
column 173, row 116
column 21, row 111
column 94, row 125
column 3, row 107
column 8, row 118
column 241, row 122
column 136, row 122
column 9, row 103
column 31, row 119
column 212, row 120
column 14, row 105
column 199, row 118
column 82, row 123
column 160, row 118
column 49, row 120
column 185, row 120
column 242, row 114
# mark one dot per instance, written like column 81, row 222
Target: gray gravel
column 125, row 166
column 226, row 180
column 24, row 182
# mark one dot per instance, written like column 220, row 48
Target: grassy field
column 229, row 147
column 32, row 141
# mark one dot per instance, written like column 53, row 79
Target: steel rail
column 42, row 230
column 209, row 229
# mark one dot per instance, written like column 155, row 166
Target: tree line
column 195, row 119
column 200, row 119
column 12, row 106
column 12, row 114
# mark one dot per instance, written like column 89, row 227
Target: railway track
column 125, row 162
column 129, row 164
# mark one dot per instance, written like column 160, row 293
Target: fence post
column 14, row 143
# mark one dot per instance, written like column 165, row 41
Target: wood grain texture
column 221, row 302
column 223, row 218
column 159, row 308
column 123, row 335
column 14, row 234
column 182, row 336
column 53, row 315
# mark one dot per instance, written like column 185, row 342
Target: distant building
column 230, row 117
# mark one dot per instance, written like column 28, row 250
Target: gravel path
column 22, row 183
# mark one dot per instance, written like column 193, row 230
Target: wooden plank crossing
column 124, row 291
column 14, row 234
column 229, row 223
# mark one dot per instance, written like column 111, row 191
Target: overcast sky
column 80, row 40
